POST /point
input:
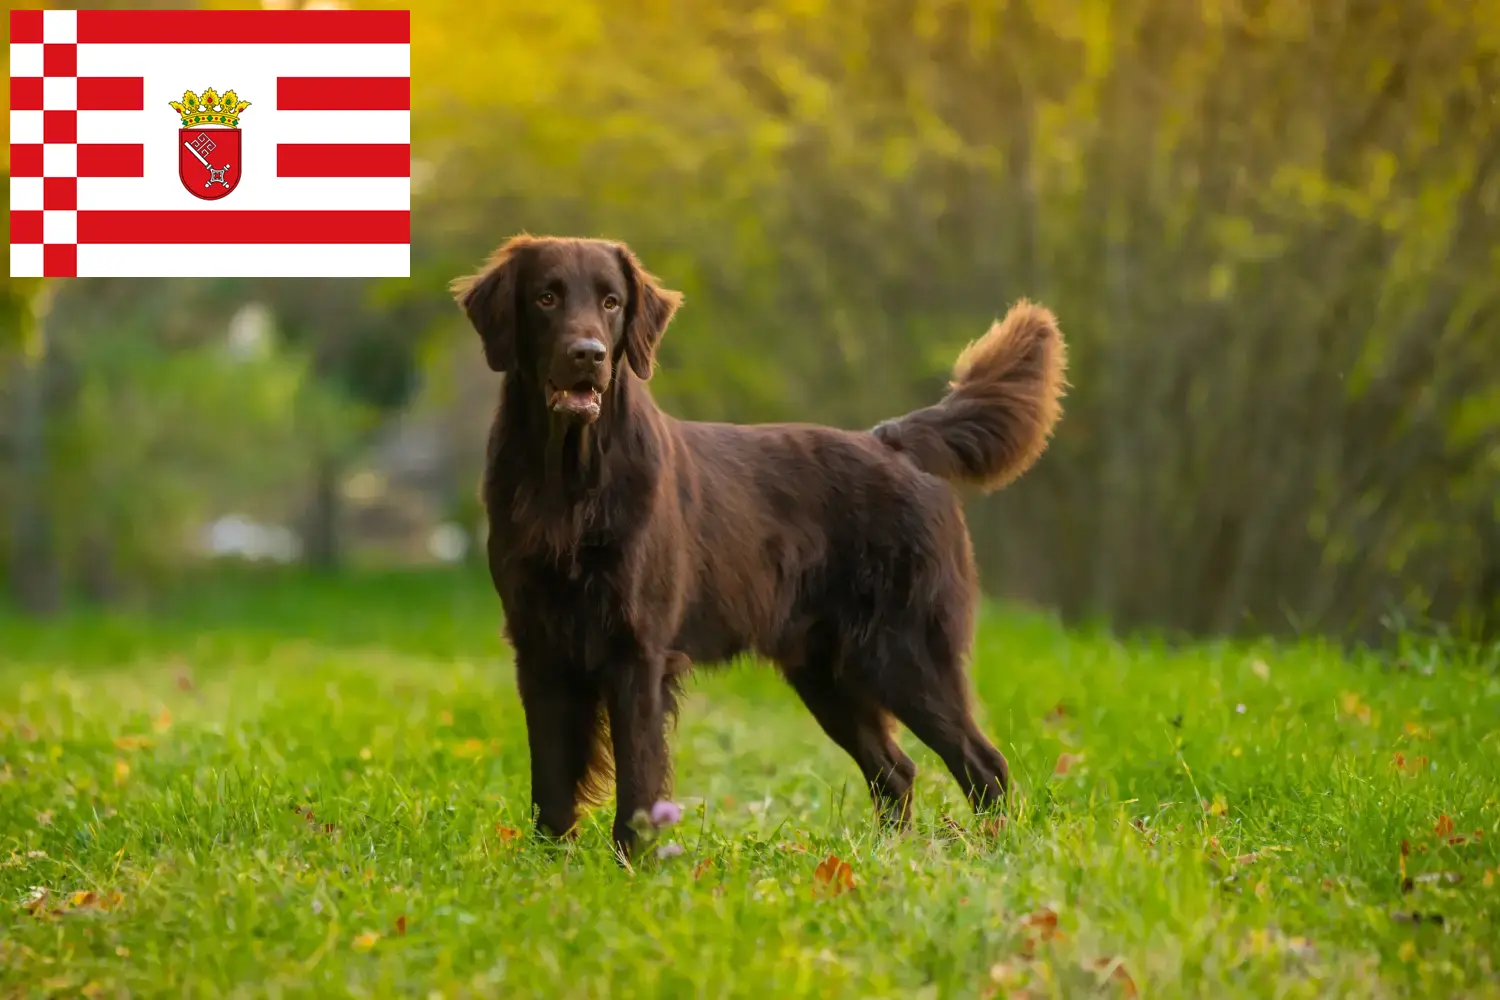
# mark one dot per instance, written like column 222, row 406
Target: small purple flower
column 669, row 850
column 665, row 814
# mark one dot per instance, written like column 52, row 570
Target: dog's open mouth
column 581, row 401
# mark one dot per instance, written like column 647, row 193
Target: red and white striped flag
column 210, row 143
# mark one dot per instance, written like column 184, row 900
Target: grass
column 1231, row 821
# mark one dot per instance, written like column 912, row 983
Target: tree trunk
column 36, row 580
column 320, row 535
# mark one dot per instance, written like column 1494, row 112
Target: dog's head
column 565, row 313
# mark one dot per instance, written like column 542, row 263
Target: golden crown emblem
column 210, row 108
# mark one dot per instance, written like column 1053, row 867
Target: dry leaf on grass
column 700, row 868
column 506, row 833
column 1408, row 765
column 1042, row 922
column 469, row 749
column 832, row 877
column 401, row 925
column 44, row 818
column 1444, row 826
column 1218, row 807
column 993, row 826
column 1112, row 970
column 1067, row 762
column 1039, row 925
column 1355, row 706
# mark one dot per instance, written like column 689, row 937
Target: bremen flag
column 210, row 143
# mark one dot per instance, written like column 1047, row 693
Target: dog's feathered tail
column 1001, row 407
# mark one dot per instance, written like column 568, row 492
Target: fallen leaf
column 1444, row 826
column 832, row 877
column 1489, row 879
column 1218, row 807
column 1355, row 706
column 1039, row 925
column 82, row 899
column 401, row 925
column 366, row 941
column 1247, row 859
column 1043, row 922
column 1066, row 762
column 506, row 833
column 469, row 749
column 122, row 770
column 700, row 868
column 993, row 826
column 1114, row 971
column 44, row 818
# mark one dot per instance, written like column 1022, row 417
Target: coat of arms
column 208, row 155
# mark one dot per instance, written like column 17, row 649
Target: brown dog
column 625, row 544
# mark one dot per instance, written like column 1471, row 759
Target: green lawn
column 284, row 788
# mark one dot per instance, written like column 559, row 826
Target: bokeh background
column 1270, row 228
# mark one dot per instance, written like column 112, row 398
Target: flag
column 210, row 143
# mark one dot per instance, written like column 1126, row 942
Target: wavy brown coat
column 626, row 546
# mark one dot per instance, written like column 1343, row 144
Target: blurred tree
column 1269, row 233
column 362, row 339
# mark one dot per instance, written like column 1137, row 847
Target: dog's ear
column 488, row 297
column 646, row 317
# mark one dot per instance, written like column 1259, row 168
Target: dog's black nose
column 587, row 352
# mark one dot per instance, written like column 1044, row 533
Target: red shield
column 208, row 161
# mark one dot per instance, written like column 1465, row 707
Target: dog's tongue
column 583, row 401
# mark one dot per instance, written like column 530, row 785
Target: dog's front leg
column 562, row 725
column 637, row 700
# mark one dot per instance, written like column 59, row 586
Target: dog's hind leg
column 863, row 729
column 936, row 709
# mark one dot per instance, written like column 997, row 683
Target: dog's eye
column 546, row 300
column 611, row 302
